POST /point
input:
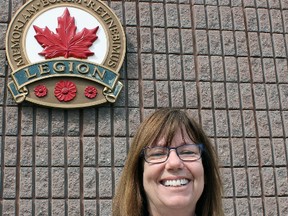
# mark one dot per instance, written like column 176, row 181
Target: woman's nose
column 173, row 160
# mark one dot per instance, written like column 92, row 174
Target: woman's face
column 174, row 184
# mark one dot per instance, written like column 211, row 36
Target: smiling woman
column 171, row 169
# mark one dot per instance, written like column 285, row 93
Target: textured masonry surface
column 225, row 61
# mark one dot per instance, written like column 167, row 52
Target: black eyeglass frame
column 199, row 145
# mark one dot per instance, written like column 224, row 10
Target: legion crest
column 65, row 53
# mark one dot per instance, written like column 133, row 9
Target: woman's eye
column 187, row 152
column 157, row 154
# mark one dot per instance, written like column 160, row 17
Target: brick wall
column 225, row 61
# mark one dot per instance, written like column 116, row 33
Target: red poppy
column 65, row 91
column 40, row 91
column 90, row 92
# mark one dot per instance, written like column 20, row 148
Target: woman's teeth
column 175, row 183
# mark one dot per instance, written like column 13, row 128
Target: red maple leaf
column 66, row 42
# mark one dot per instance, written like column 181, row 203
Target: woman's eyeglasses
column 160, row 154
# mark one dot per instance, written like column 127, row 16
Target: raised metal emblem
column 65, row 53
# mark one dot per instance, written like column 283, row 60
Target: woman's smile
column 175, row 182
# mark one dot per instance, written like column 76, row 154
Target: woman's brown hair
column 130, row 198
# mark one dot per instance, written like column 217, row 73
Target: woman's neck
column 170, row 212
